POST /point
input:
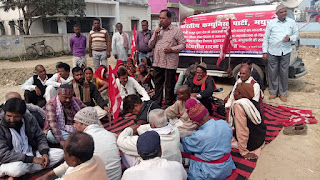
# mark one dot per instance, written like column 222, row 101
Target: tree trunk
column 26, row 26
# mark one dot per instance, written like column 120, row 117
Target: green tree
column 32, row 10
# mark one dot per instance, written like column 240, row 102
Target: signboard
column 205, row 34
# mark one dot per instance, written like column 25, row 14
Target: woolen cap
column 148, row 143
column 87, row 115
column 195, row 109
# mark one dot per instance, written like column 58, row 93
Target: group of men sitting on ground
column 151, row 148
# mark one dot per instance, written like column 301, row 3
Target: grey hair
column 158, row 118
column 279, row 7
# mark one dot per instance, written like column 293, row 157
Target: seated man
column 169, row 135
column 184, row 124
column 153, row 166
column 211, row 145
column 105, row 143
column 60, row 112
column 246, row 116
column 62, row 77
column 133, row 104
column 35, row 87
column 80, row 163
column 254, row 73
column 36, row 111
column 190, row 72
column 202, row 86
column 128, row 85
column 24, row 148
column 88, row 92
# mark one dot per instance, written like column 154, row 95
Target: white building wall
column 134, row 12
column 6, row 17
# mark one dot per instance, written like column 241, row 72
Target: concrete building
column 128, row 12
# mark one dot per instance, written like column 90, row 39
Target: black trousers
column 32, row 97
column 164, row 78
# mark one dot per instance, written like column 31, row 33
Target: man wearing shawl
column 245, row 112
column 202, row 86
column 60, row 112
column 209, row 148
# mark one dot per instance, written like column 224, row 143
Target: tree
column 32, row 10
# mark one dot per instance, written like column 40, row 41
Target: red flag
column 114, row 95
column 134, row 41
column 227, row 45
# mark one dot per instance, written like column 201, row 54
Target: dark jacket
column 146, row 108
column 36, row 140
column 94, row 95
column 209, row 87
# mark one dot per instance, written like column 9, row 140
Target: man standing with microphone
column 167, row 41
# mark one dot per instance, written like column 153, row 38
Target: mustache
column 15, row 124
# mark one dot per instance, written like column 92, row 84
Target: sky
column 305, row 3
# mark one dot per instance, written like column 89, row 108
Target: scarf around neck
column 201, row 82
column 60, row 115
column 86, row 91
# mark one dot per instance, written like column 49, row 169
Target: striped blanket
column 274, row 118
column 244, row 167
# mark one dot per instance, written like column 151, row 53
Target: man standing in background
column 120, row 44
column 99, row 44
column 78, row 44
column 143, row 38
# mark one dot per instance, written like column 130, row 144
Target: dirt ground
column 286, row 157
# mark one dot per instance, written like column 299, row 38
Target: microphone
column 160, row 28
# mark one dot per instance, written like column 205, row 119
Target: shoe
column 296, row 129
column 283, row 98
column 272, row 96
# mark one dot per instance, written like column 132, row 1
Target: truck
column 205, row 34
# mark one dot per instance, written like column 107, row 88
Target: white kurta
column 53, row 85
column 118, row 48
column 132, row 87
column 169, row 142
column 156, row 169
column 105, row 147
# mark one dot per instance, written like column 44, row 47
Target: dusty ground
column 287, row 157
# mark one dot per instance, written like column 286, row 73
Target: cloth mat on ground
column 275, row 117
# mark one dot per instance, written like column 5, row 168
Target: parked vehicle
column 205, row 33
column 39, row 49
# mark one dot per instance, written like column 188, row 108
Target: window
column 12, row 28
column 2, row 30
column 198, row 1
column 134, row 22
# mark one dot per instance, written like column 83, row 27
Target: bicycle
column 39, row 49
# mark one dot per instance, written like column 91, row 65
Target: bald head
column 38, row 67
column 183, row 93
column 11, row 95
column 245, row 73
column 184, row 89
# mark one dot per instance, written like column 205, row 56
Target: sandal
column 296, row 129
